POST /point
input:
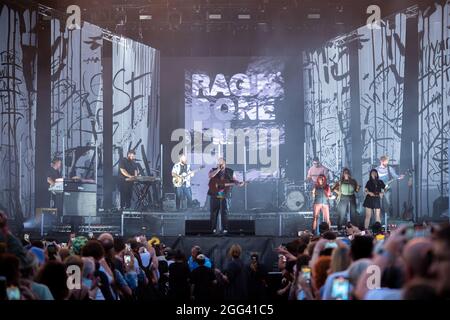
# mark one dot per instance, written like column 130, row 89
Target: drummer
column 316, row 170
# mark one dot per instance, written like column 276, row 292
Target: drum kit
column 298, row 195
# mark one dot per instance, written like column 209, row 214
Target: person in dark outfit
column 179, row 289
column 374, row 193
column 234, row 276
column 257, row 279
column 221, row 201
column 203, row 280
column 127, row 169
column 54, row 172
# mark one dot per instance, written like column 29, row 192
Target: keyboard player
column 127, row 169
column 53, row 176
column 54, row 172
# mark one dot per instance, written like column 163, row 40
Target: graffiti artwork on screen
column 77, row 107
column 18, row 65
column 381, row 73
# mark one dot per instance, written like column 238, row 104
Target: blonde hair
column 235, row 251
column 384, row 158
column 340, row 259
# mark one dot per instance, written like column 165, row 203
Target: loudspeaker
column 197, row 227
column 241, row 227
column 169, row 202
column 292, row 223
column 440, row 207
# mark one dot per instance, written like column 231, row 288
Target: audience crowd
column 408, row 263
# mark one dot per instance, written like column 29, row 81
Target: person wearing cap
column 192, row 261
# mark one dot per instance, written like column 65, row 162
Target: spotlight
column 313, row 16
column 244, row 16
column 145, row 17
column 214, row 16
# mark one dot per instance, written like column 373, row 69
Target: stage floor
column 174, row 224
column 129, row 223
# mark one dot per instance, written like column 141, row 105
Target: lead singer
column 221, row 179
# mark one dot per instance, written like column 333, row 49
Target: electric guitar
column 388, row 185
column 179, row 180
column 219, row 187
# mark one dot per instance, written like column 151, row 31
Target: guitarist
column 183, row 169
column 387, row 174
column 220, row 200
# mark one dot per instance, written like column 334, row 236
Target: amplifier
column 241, row 227
column 197, row 227
column 282, row 224
column 169, row 202
column 152, row 224
column 79, row 199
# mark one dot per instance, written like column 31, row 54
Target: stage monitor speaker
column 241, row 227
column 440, row 207
column 197, row 227
column 169, row 202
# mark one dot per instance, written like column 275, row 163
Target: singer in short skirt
column 375, row 187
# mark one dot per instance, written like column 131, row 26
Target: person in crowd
column 115, row 263
column 361, row 247
column 94, row 249
column 355, row 271
column 88, row 276
column 12, row 244
column 302, row 277
column 257, row 279
column 287, row 279
column 234, row 275
column 163, row 269
column 28, row 273
column 420, row 289
column 179, row 288
column 340, row 258
column 9, row 269
column 320, row 274
column 203, row 281
column 53, row 275
column 441, row 261
column 415, row 263
column 82, row 293
column 192, row 261
column 374, row 193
